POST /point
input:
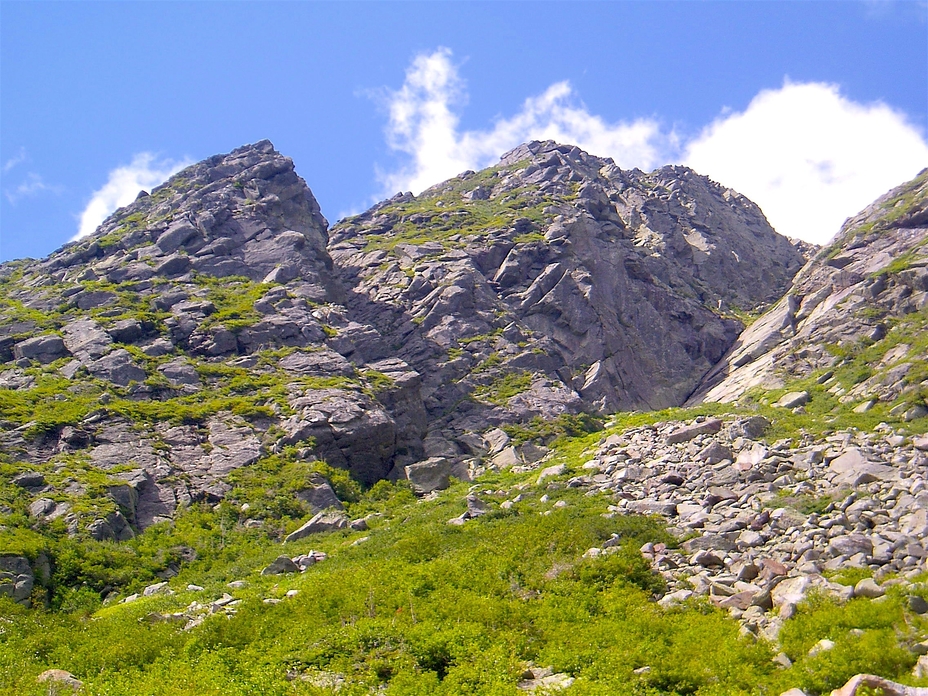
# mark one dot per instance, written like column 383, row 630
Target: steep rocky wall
column 869, row 287
column 215, row 322
column 608, row 289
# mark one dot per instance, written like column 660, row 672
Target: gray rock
column 44, row 349
column 157, row 588
column 869, row 683
column 714, row 452
column 59, row 681
column 359, row 525
column 506, row 457
column 126, row 331
column 687, row 433
column 179, row 373
column 433, row 474
column 552, row 471
column 319, row 496
column 709, row 542
column 114, row 527
column 176, row 236
column 86, row 339
column 117, row 367
column 17, row 578
column 849, row 545
column 158, row 347
column 325, row 521
column 173, row 265
column 497, row 440
column 867, row 587
column 92, row 299
column 42, row 508
column 793, row 399
column 653, row 507
column 281, row 565
column 476, row 507
column 29, row 479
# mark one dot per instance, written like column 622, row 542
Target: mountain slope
column 599, row 286
column 212, row 323
column 182, row 391
column 855, row 317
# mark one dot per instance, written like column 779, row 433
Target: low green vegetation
column 504, row 387
column 449, row 214
column 413, row 605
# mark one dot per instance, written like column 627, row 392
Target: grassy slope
column 424, row 607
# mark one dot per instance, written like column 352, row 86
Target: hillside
column 858, row 306
column 438, row 448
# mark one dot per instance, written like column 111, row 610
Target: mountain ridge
column 216, row 372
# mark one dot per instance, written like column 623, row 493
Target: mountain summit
column 216, row 376
column 216, row 320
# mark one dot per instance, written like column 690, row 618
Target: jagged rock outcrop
column 200, row 329
column 556, row 282
column 868, row 288
column 213, row 323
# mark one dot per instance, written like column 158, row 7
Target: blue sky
column 810, row 108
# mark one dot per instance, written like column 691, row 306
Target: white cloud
column 123, row 186
column 809, row 156
column 32, row 185
column 423, row 124
column 16, row 160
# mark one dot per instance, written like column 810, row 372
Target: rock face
column 867, row 288
column 595, row 287
column 216, row 321
column 203, row 328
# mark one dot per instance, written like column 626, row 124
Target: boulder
column 44, row 349
column 653, row 507
column 176, row 236
column 869, row 683
column 117, row 367
column 433, row 474
column 180, row 373
column 850, row 544
column 86, row 339
column 58, row 682
column 114, row 527
column 16, row 578
column 793, row 399
column 325, row 521
column 688, row 432
column 319, row 496
column 281, row 565
column 552, row 471
column 28, row 480
column 126, row 331
column 475, row 506
column 507, row 457
column 867, row 587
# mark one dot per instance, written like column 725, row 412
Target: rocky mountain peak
column 216, row 322
column 855, row 315
column 243, row 214
column 628, row 283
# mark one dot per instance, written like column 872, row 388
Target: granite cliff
column 216, row 376
column 216, row 321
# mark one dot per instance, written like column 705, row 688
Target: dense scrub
column 418, row 606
